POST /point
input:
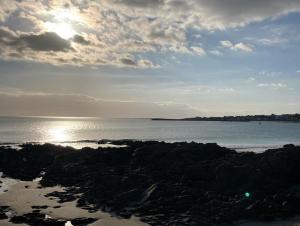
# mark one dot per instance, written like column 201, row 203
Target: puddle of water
column 23, row 195
column 6, row 184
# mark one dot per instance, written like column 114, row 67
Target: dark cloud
column 128, row 61
column 211, row 14
column 81, row 40
column 141, row 63
column 48, row 41
column 140, row 3
column 244, row 11
column 178, row 4
column 6, row 36
column 49, row 47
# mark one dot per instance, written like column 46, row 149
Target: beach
column 149, row 113
column 149, row 183
column 27, row 197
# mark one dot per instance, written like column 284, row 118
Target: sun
column 62, row 23
column 62, row 29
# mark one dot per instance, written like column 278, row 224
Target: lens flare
column 247, row 194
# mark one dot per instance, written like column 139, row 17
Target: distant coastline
column 247, row 118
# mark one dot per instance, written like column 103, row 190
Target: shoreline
column 241, row 118
column 164, row 183
column 107, row 143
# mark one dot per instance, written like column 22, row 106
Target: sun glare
column 58, row 134
column 66, row 15
column 62, row 23
column 64, row 30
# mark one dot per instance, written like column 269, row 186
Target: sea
column 79, row 132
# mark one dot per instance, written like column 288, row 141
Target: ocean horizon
column 81, row 132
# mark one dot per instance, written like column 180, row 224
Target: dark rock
column 18, row 219
column 3, row 210
column 289, row 146
column 83, row 221
column 36, row 211
column 39, row 207
column 165, row 184
column 3, row 216
column 27, row 164
column 36, row 219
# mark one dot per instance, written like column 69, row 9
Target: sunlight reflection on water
column 58, row 134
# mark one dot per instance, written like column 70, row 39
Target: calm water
column 249, row 135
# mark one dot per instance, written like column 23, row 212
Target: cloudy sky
column 149, row 58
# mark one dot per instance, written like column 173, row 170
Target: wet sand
column 21, row 196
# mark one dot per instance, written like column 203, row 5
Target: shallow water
column 22, row 195
column 243, row 136
column 6, row 183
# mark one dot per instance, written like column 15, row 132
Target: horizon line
column 101, row 117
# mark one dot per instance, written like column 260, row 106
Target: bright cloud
column 237, row 47
column 242, row 47
column 226, row 43
column 120, row 32
column 198, row 50
column 273, row 85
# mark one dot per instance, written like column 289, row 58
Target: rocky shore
column 163, row 184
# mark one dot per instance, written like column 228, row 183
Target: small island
column 246, row 118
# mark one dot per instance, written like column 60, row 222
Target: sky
column 149, row 58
